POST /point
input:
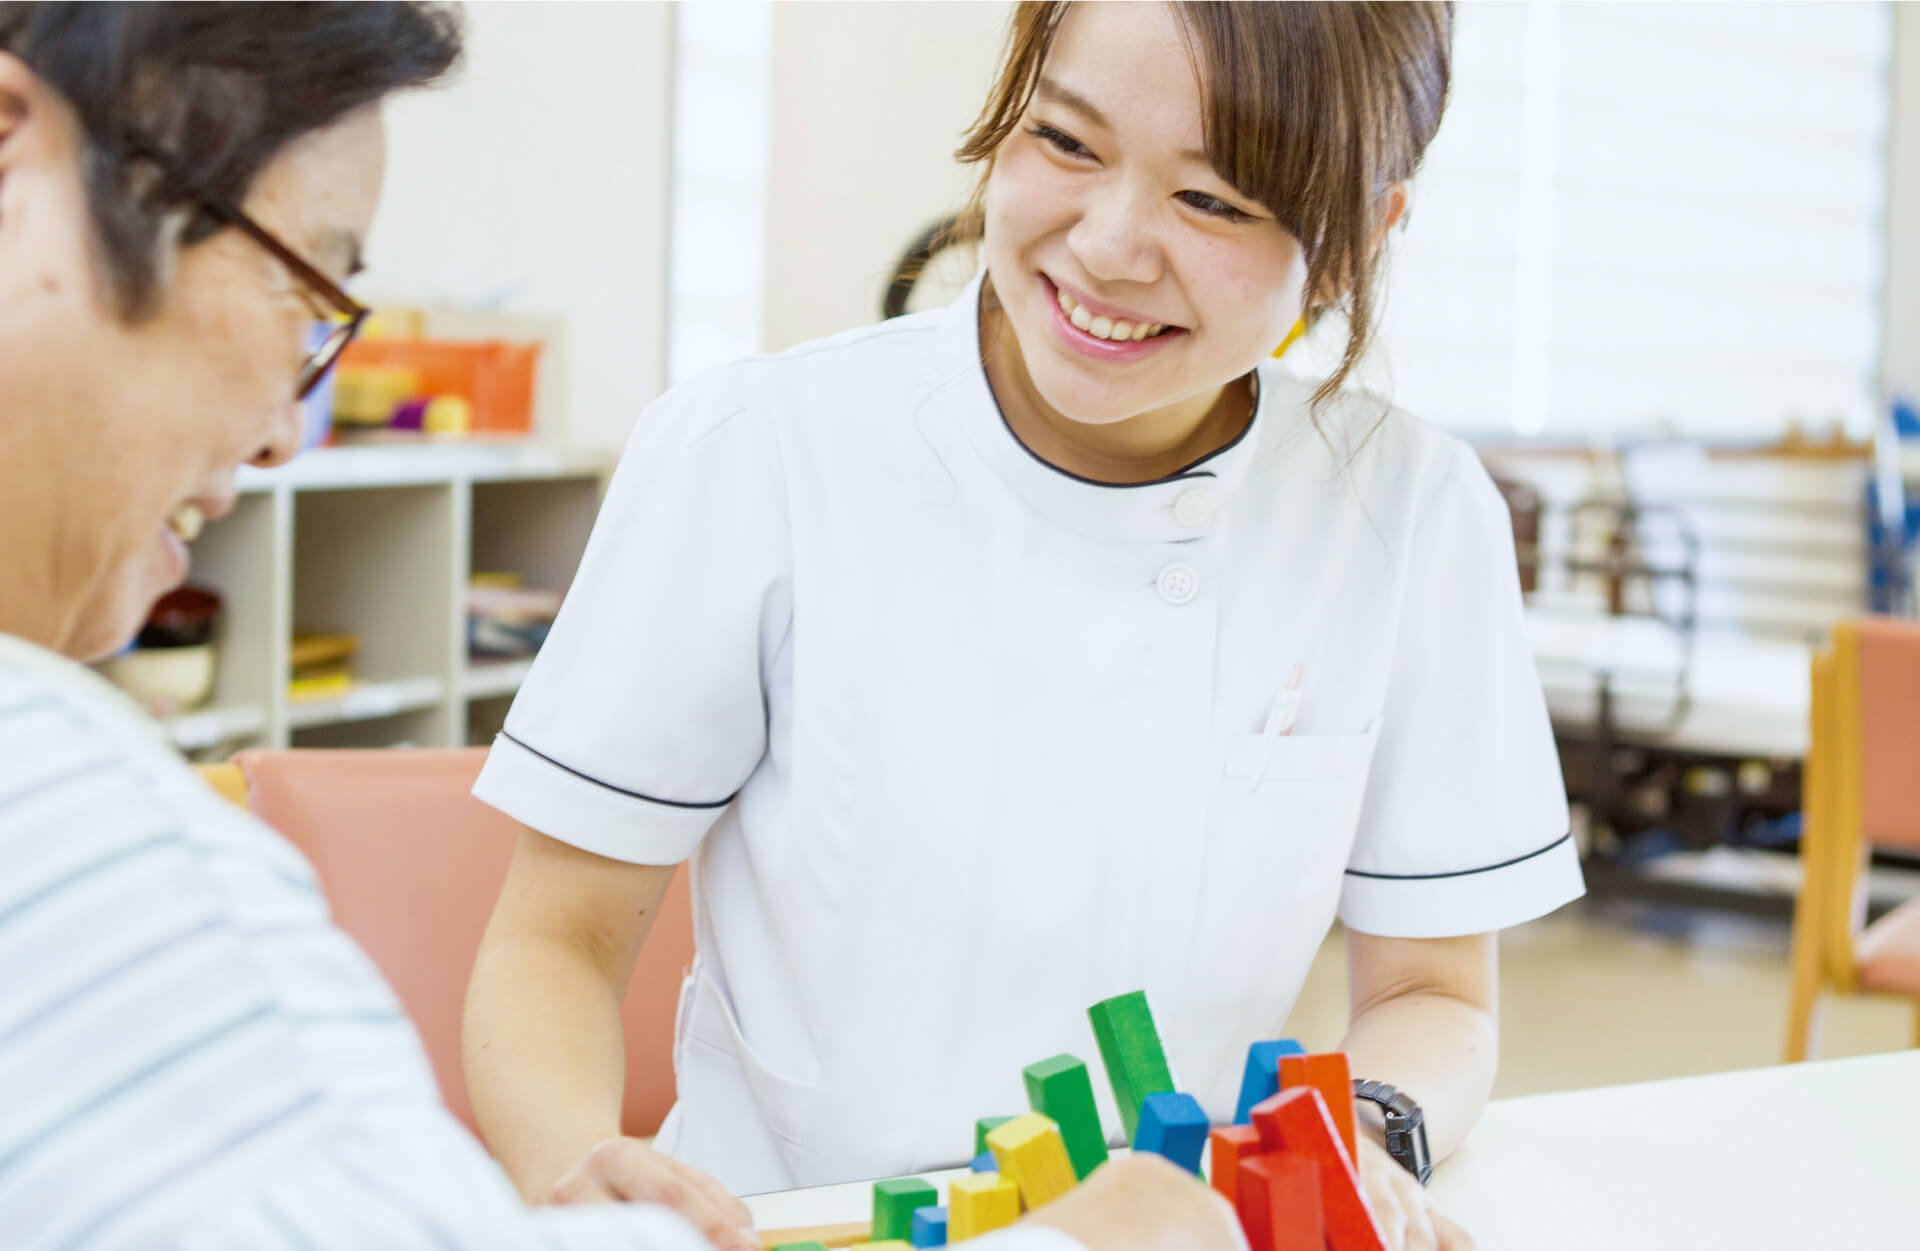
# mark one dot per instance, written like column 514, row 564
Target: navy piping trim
column 618, row 790
column 1489, row 868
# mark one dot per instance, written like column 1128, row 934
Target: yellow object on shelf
column 448, row 415
column 321, row 665
column 366, row 395
column 320, row 686
column 313, row 650
column 395, row 323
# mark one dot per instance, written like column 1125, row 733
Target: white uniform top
column 961, row 743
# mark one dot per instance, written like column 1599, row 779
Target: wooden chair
column 411, row 864
column 1861, row 791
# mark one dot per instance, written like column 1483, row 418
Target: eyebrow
column 1047, row 88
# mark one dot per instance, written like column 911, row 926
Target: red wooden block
column 1231, row 1145
column 1279, row 1201
column 1296, row 1122
column 1330, row 1074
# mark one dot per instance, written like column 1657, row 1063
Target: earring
column 1293, row 336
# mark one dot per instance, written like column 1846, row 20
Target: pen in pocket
column 1286, row 706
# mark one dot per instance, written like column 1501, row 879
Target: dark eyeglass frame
column 351, row 313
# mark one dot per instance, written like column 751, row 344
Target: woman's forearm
column 1425, row 1018
column 1440, row 1050
column 545, row 1057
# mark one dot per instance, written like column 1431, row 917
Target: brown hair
column 1311, row 109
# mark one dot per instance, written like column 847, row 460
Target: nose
column 1115, row 239
column 284, row 436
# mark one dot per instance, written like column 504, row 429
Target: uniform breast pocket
column 1286, row 812
column 1302, row 789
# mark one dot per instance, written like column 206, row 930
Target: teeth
column 187, row 521
column 1118, row 331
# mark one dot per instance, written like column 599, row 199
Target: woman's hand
column 626, row 1170
column 1400, row 1205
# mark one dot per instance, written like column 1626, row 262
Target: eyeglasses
column 342, row 315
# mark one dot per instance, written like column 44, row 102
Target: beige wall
column 537, row 182
column 1900, row 353
column 869, row 101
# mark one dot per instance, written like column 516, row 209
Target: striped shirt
column 192, row 1055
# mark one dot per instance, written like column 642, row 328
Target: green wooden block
column 984, row 1126
column 801, row 1246
column 1061, row 1089
column 894, row 1203
column 1130, row 1048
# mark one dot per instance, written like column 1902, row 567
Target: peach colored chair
column 1861, row 791
column 411, row 864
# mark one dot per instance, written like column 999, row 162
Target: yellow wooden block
column 1030, row 1151
column 893, row 1244
column 981, row 1204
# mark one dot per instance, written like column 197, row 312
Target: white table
column 1809, row 1157
column 1749, row 695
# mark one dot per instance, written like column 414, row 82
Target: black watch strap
column 1406, row 1126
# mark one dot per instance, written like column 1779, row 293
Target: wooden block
column 1034, row 1157
column 1174, row 1126
column 930, row 1227
column 1279, row 1203
column 828, row 1236
column 1262, row 1078
column 891, row 1244
column 1232, row 1145
column 801, row 1246
column 984, row 1126
column 1297, row 1122
column 1330, row 1074
column 894, row 1203
column 1061, row 1090
column 985, row 1163
column 1130, row 1048
column 981, row 1204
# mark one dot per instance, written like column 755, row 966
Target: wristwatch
column 1406, row 1127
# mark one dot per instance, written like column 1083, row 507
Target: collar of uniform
column 1186, row 506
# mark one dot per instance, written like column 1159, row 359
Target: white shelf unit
column 379, row 542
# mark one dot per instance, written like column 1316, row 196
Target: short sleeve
column 645, row 711
column 1464, row 829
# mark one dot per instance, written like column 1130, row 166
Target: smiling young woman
column 991, row 662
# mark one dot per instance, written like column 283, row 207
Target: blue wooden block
column 985, row 1163
column 1174, row 1126
column 1262, row 1081
column 930, row 1226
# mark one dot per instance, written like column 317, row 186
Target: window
column 1646, row 216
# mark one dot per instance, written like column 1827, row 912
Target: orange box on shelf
column 496, row 377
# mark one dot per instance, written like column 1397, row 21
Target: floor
column 1605, row 993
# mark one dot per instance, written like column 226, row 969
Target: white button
column 1178, row 584
column 1194, row 508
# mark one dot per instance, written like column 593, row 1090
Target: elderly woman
column 190, row 1053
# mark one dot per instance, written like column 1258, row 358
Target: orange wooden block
column 1231, row 1145
column 1296, row 1122
column 1330, row 1074
column 1279, row 1203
